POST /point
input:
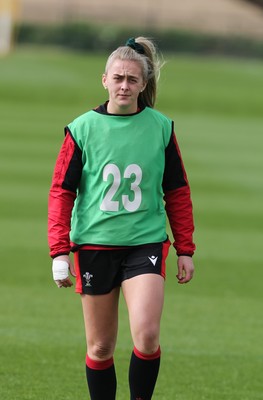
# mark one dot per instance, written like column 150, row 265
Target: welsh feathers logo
column 87, row 276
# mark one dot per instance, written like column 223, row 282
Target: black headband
column 135, row 46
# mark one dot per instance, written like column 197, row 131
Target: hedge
column 82, row 36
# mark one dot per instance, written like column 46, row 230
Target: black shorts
column 99, row 271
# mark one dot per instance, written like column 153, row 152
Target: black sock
column 101, row 379
column 143, row 373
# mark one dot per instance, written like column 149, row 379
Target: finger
column 185, row 279
column 180, row 274
column 59, row 284
column 66, row 283
column 181, row 279
column 72, row 269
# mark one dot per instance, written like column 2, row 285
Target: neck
column 112, row 109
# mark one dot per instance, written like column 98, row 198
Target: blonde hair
column 150, row 61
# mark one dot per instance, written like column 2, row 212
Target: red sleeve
column 178, row 199
column 61, row 199
column 179, row 212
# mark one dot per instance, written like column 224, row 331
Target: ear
column 104, row 80
column 143, row 86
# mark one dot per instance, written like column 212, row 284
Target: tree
column 258, row 3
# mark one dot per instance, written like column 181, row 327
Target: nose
column 124, row 85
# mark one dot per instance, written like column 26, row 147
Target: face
column 124, row 82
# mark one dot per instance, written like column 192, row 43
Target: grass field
column 212, row 329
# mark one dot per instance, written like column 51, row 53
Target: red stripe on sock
column 148, row 357
column 98, row 365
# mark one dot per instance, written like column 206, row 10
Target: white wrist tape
column 60, row 270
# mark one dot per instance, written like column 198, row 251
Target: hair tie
column 135, row 46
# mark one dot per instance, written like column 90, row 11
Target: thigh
column 144, row 296
column 101, row 323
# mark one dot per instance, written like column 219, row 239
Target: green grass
column 211, row 328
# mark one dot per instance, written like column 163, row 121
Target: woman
column 118, row 173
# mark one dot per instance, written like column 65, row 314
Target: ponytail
column 154, row 64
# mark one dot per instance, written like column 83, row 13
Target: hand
column 60, row 268
column 185, row 269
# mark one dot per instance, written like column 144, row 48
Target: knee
column 147, row 340
column 100, row 351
